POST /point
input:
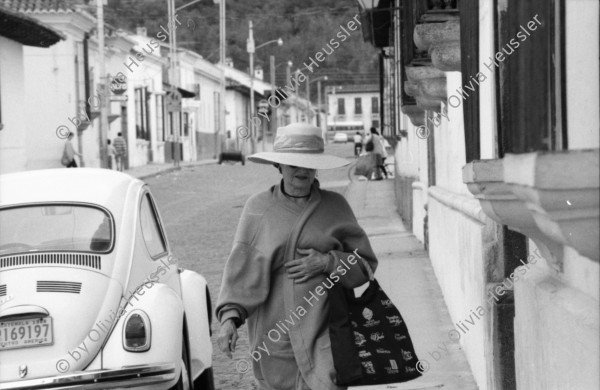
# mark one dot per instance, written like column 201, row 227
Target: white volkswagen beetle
column 90, row 294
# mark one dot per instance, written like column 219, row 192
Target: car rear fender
column 194, row 293
column 164, row 311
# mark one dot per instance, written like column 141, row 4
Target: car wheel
column 184, row 378
column 205, row 381
column 184, row 381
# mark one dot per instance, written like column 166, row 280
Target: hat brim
column 304, row 160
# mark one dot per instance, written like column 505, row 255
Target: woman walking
column 290, row 248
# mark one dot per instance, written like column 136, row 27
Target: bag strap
column 369, row 270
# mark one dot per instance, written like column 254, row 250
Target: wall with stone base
column 404, row 198
column 463, row 249
column 556, row 333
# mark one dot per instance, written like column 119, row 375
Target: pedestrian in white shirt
column 358, row 140
column 69, row 153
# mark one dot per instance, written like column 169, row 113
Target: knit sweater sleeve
column 246, row 277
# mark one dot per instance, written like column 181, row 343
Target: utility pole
column 273, row 108
column 173, row 79
column 105, row 98
column 308, row 113
column 250, row 50
column 308, row 89
column 222, row 28
column 319, row 103
column 334, row 113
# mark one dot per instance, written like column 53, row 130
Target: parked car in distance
column 340, row 137
column 97, row 299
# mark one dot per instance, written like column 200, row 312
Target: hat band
column 298, row 143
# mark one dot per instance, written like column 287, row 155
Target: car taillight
column 137, row 332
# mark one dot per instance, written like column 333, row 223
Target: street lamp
column 278, row 40
column 251, row 48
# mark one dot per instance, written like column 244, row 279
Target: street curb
column 173, row 169
column 158, row 173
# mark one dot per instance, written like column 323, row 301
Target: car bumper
column 131, row 377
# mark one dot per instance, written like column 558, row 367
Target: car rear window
column 56, row 227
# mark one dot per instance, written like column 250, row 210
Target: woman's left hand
column 304, row 268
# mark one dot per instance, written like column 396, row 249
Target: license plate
column 31, row 332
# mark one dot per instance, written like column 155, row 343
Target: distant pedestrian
column 120, row 151
column 112, row 152
column 69, row 153
column 229, row 142
column 358, row 140
column 380, row 152
column 366, row 163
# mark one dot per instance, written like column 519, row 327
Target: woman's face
column 297, row 178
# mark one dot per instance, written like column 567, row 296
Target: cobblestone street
column 201, row 207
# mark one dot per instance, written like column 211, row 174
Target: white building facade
column 353, row 108
column 200, row 117
column 18, row 34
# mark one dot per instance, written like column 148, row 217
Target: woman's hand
column 227, row 337
column 304, row 268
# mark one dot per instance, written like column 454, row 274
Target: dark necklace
column 292, row 196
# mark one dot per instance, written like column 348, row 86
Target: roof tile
column 40, row 6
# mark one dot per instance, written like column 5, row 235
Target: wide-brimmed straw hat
column 300, row 145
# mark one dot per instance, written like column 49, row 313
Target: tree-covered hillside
column 306, row 27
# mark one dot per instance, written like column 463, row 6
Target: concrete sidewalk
column 151, row 170
column 406, row 275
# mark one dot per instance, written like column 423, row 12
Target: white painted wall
column 458, row 247
column 237, row 108
column 411, row 161
column 556, row 325
column 407, row 150
column 203, row 110
column 460, row 243
column 147, row 73
column 450, row 141
column 13, row 136
column 190, row 106
column 51, row 96
column 207, row 120
column 583, row 83
column 487, row 88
